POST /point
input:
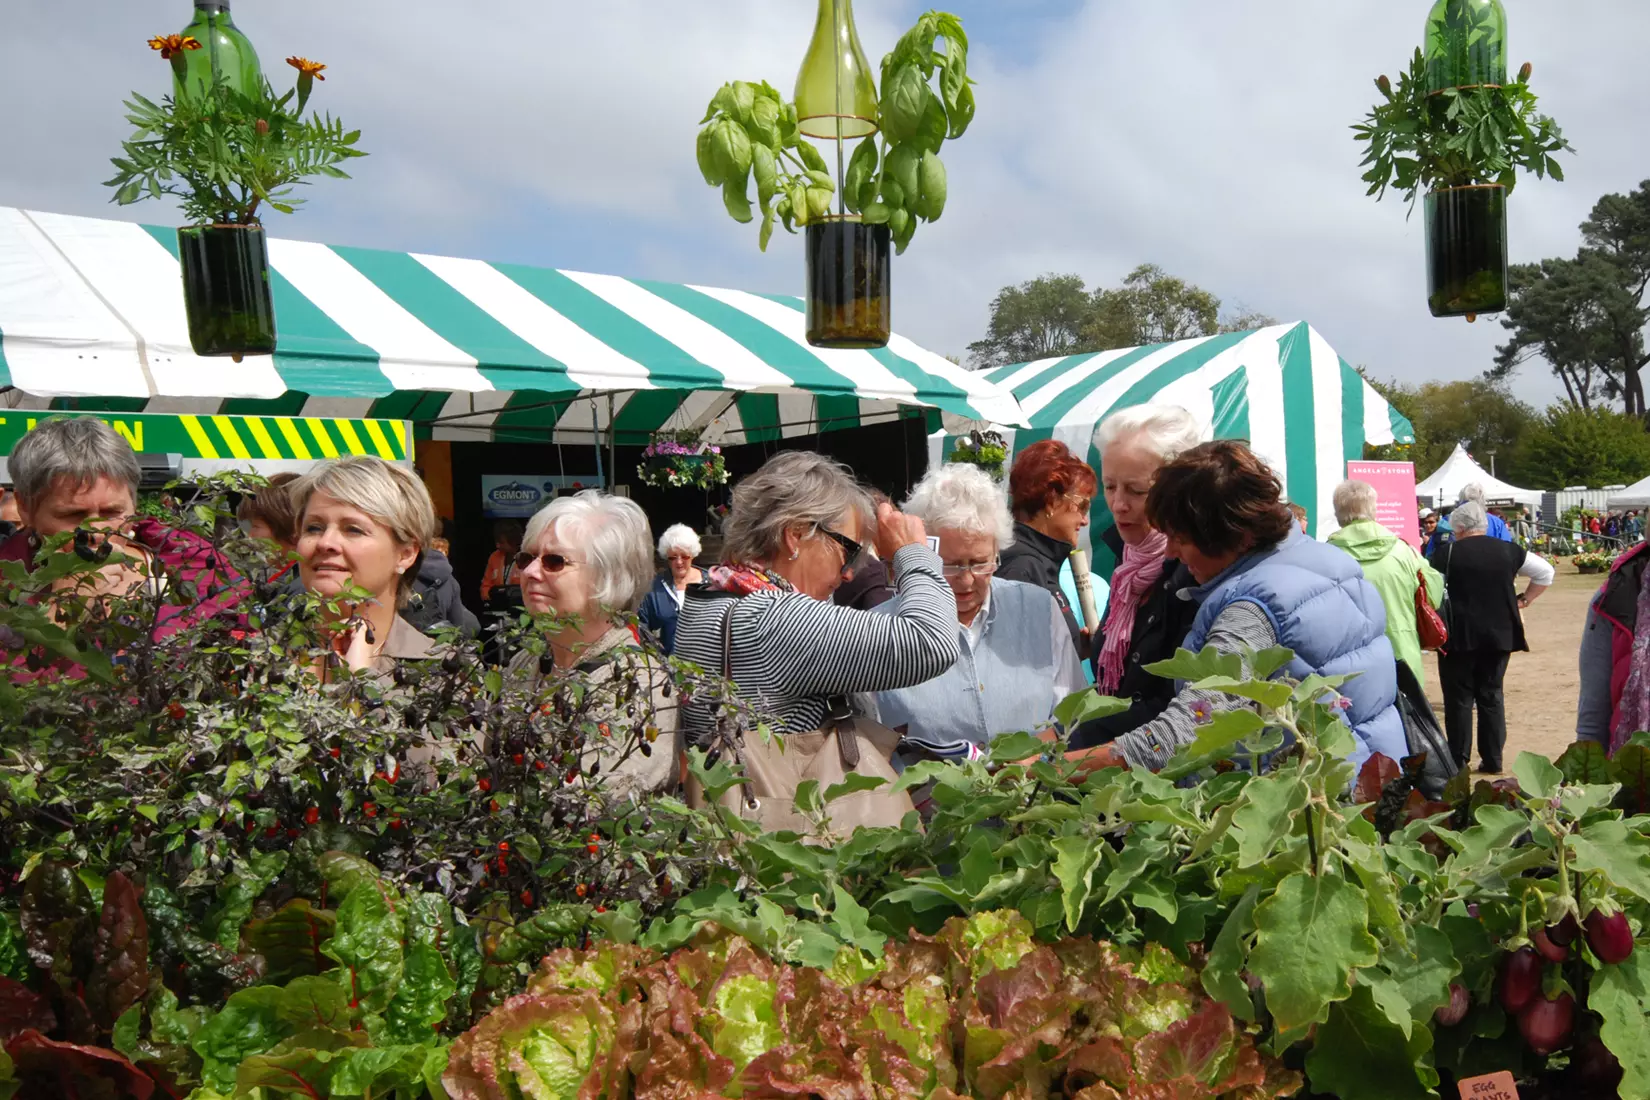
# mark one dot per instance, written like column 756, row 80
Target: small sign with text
column 1491, row 1086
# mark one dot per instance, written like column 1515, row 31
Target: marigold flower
column 170, row 44
column 306, row 67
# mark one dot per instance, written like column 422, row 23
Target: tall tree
column 1036, row 320
column 1151, row 307
column 1055, row 315
column 1586, row 317
column 1246, row 320
column 1595, row 447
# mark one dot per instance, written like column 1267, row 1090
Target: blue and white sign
column 518, row 496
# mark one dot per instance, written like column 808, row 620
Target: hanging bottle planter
column 227, row 147
column 848, row 261
column 859, row 201
column 226, row 289
column 1456, row 130
column 225, row 55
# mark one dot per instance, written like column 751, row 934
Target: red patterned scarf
column 741, row 579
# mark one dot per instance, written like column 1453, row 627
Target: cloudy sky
column 1207, row 136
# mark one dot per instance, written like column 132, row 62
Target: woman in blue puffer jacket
column 1262, row 583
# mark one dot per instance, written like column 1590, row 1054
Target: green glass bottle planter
column 1466, row 231
column 1466, row 44
column 836, row 98
column 849, row 280
column 226, row 289
column 224, row 51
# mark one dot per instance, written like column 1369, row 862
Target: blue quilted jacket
column 1322, row 608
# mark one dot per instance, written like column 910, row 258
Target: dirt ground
column 1541, row 685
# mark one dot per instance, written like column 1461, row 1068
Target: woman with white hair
column 1017, row 659
column 1390, row 564
column 363, row 524
column 678, row 546
column 586, row 561
column 1145, row 617
column 1485, row 627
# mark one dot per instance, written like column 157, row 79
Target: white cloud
column 1209, row 137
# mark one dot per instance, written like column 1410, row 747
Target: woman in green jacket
column 1390, row 564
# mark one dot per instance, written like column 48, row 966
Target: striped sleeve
column 811, row 648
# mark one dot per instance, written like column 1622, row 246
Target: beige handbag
column 845, row 745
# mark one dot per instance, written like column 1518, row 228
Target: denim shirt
column 1023, row 664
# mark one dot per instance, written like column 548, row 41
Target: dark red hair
column 1043, row 473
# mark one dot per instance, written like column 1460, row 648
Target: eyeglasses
column 552, row 563
column 979, row 569
column 851, row 550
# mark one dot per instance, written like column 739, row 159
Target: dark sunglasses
column 851, row 550
column 553, row 563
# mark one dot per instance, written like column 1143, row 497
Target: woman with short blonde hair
column 363, row 524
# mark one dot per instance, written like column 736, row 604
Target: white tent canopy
column 1636, row 495
column 1444, row 484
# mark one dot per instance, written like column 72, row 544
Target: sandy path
column 1541, row 685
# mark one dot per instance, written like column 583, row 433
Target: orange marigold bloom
column 169, row 44
column 306, row 67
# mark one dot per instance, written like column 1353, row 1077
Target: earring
column 400, row 569
column 793, row 555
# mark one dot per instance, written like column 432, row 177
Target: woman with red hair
column 1050, row 490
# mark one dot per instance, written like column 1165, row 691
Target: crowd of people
column 933, row 626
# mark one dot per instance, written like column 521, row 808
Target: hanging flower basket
column 987, row 450
column 668, row 464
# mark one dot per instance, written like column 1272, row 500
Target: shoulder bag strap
column 727, row 639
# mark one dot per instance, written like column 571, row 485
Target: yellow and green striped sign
column 289, row 438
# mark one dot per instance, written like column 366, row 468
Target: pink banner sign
column 1394, row 496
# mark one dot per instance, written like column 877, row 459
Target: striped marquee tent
column 1283, row 388
column 92, row 318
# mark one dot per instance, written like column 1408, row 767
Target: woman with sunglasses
column 586, row 562
column 795, row 533
column 1017, row 659
column 1049, row 490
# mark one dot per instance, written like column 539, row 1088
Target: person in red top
column 501, row 567
column 1594, row 525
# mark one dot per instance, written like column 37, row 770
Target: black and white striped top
column 791, row 652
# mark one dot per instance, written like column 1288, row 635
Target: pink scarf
column 1142, row 566
column 1633, row 709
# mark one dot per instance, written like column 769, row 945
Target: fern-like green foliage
column 226, row 153
column 1461, row 136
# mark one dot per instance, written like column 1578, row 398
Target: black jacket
column 1479, row 575
column 1161, row 623
column 435, row 599
column 1035, row 558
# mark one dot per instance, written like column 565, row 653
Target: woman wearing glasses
column 1017, row 659
column 795, row 533
column 587, row 561
column 1050, row 490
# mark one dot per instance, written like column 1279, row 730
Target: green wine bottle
column 1466, row 44
column 224, row 51
column 835, row 95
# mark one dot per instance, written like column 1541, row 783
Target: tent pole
column 612, row 443
column 596, row 433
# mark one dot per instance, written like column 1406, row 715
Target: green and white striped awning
column 91, row 315
column 1284, row 389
